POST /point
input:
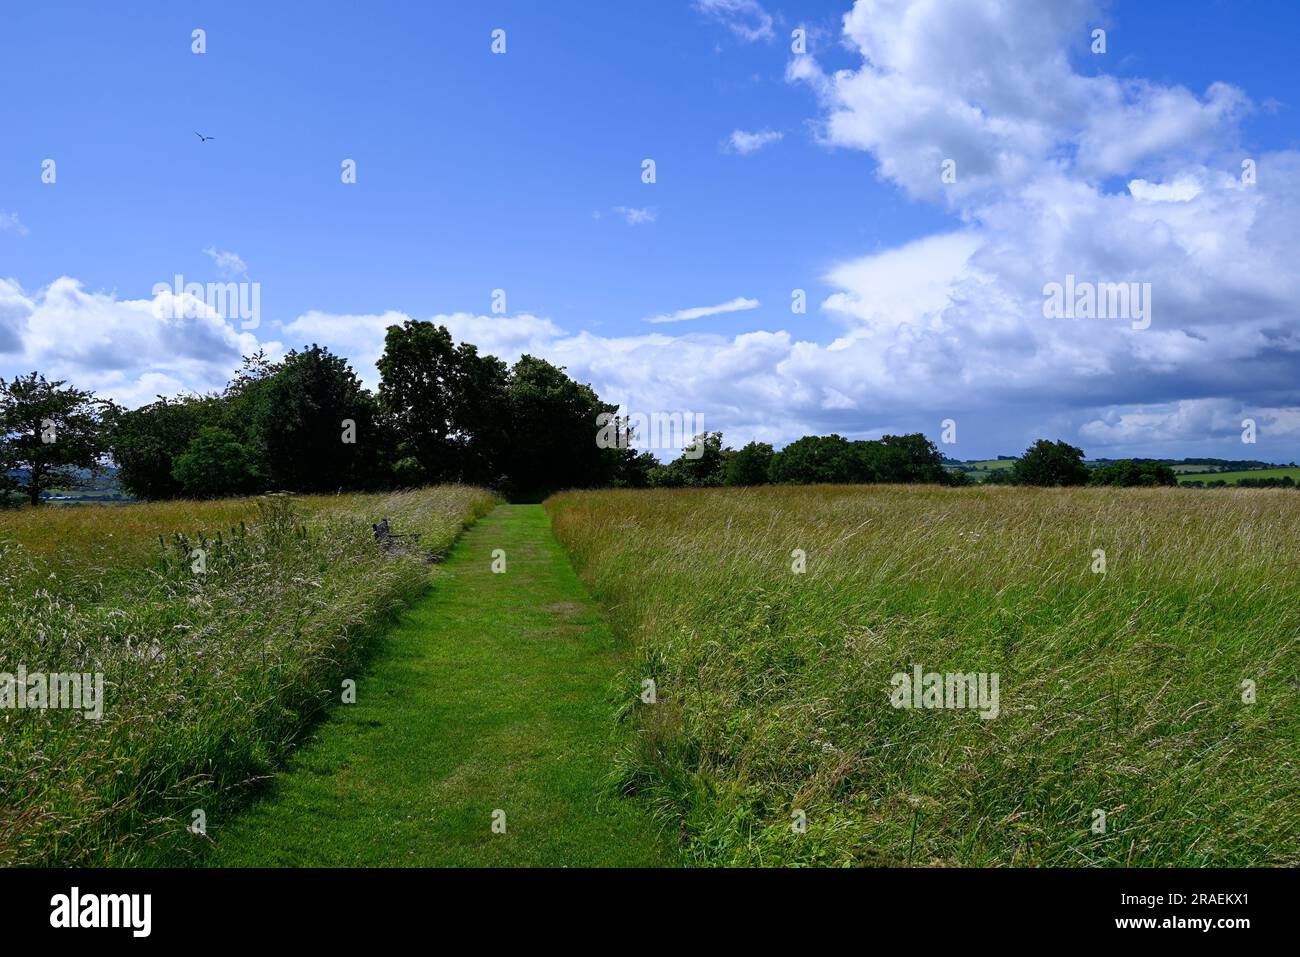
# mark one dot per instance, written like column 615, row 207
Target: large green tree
column 447, row 405
column 314, row 427
column 749, row 465
column 834, row 459
column 903, row 458
column 816, row 459
column 215, row 464
column 1051, row 463
column 50, row 434
column 553, row 431
column 1128, row 472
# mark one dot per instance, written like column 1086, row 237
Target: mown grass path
column 492, row 693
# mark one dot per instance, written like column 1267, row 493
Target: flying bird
column 202, row 138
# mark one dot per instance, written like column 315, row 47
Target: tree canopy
column 1128, row 472
column 50, row 433
column 749, row 465
column 1050, row 463
column 552, row 431
column 447, row 406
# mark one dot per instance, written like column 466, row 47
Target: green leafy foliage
column 1128, row 472
column 215, row 464
column 48, row 432
column 749, row 465
column 447, row 405
column 702, row 464
column 832, row 459
column 553, row 431
column 315, row 426
column 146, row 442
column 1050, row 463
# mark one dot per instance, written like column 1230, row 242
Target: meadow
column 1147, row 716
column 223, row 630
column 1232, row 478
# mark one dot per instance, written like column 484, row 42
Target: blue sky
column 522, row 172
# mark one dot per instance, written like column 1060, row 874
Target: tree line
column 813, row 459
column 443, row 412
column 1284, row 481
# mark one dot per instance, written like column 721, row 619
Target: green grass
column 1232, row 478
column 492, row 693
column 1119, row 692
column 210, row 678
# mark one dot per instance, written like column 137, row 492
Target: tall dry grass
column 210, row 678
column 1119, row 692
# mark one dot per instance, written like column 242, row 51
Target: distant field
column 210, row 676
column 990, row 465
column 1185, row 472
column 1233, row 477
column 1120, row 693
column 978, row 470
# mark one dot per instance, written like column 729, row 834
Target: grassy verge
column 1120, row 692
column 492, row 694
column 210, row 676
